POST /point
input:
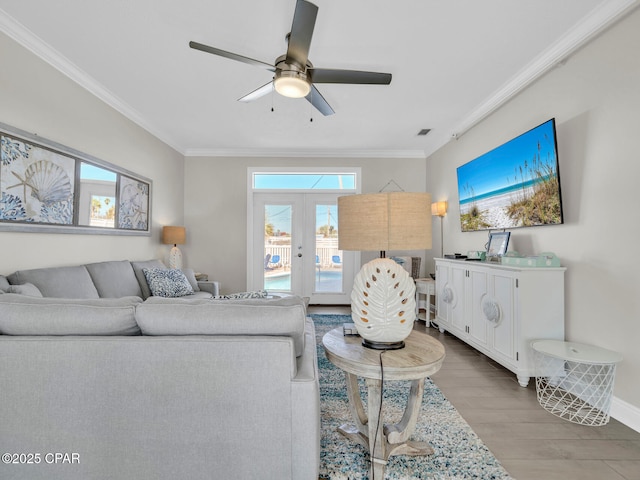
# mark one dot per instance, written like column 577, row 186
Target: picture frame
column 51, row 188
column 498, row 244
column 133, row 198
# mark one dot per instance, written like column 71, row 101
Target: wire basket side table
column 575, row 381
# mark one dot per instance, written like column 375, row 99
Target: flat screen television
column 514, row 185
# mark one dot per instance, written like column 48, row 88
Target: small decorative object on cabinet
column 499, row 309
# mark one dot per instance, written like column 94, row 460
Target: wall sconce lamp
column 174, row 236
column 439, row 209
column 383, row 296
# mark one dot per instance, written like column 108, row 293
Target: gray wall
column 37, row 98
column 216, row 206
column 595, row 98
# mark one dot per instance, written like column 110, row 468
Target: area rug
column 458, row 451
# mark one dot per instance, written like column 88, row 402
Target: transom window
column 304, row 181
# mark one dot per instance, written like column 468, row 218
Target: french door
column 294, row 247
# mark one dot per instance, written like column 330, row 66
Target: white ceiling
column 452, row 62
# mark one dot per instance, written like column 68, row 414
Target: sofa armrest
column 212, row 287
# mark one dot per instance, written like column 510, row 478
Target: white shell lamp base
column 383, row 304
column 175, row 258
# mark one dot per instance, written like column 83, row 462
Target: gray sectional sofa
column 113, row 279
column 100, row 380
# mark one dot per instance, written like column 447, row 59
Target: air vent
column 424, row 131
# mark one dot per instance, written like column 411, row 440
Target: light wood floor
column 529, row 442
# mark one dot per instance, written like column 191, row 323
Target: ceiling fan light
column 292, row 84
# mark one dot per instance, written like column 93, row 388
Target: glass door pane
column 328, row 276
column 295, row 247
column 277, row 247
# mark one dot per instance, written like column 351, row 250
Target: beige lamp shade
column 439, row 208
column 384, row 221
column 174, row 235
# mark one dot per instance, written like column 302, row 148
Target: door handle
column 299, row 255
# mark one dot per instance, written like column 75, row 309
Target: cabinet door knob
column 491, row 310
column 447, row 295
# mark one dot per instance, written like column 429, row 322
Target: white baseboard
column 625, row 413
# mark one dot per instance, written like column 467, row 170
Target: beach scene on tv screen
column 514, row 185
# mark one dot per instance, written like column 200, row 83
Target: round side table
column 575, row 381
column 422, row 356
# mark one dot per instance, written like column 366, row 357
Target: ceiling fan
column 295, row 76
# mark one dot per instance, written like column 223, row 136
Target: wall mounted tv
column 515, row 185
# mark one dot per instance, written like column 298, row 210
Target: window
column 304, row 181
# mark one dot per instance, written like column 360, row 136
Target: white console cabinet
column 499, row 309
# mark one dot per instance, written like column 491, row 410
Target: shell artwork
column 49, row 182
column 383, row 304
column 12, row 150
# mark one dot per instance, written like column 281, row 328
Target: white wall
column 595, row 99
column 216, row 206
column 37, row 98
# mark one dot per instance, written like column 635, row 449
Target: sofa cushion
column 58, row 282
column 22, row 315
column 142, row 280
column 114, row 279
column 191, row 276
column 4, row 283
column 167, row 316
column 167, row 282
column 28, row 289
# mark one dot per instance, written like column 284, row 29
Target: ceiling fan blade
column 304, row 20
column 329, row 75
column 258, row 92
column 317, row 100
column 232, row 56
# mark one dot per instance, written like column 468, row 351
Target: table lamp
column 383, row 295
column 176, row 236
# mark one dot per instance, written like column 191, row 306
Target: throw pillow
column 4, row 283
column 138, row 268
column 167, row 282
column 257, row 294
column 28, row 289
column 191, row 276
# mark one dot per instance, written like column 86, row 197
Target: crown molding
column 310, row 153
column 18, row 32
column 594, row 23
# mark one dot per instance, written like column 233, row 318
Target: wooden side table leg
column 377, row 441
column 359, row 433
column 398, row 435
column 355, row 401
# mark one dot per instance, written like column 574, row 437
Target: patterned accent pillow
column 257, row 294
column 167, row 282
